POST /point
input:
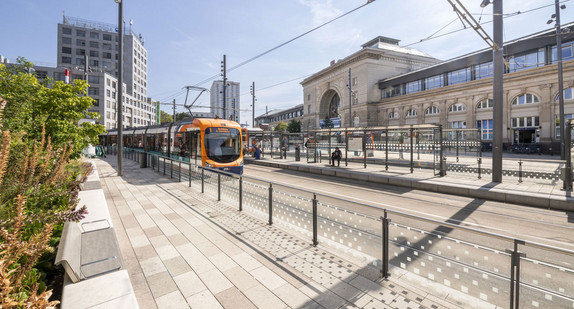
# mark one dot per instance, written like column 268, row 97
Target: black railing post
column 479, row 162
column 365, row 149
column 515, row 257
column 412, row 151
column 189, row 174
column 386, row 150
column 315, row 219
column 385, row 233
column 164, row 166
column 170, row 168
column 179, row 173
column 202, row 180
column 520, row 170
column 218, row 187
column 567, row 180
column 270, row 204
column 457, row 144
column 240, row 193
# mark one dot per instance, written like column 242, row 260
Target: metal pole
column 497, row 91
column 386, row 150
column 224, row 88
column 120, row 84
column 240, row 193
column 560, row 81
column 412, row 153
column 365, row 149
column 315, row 241
column 350, row 101
column 567, row 185
column 270, row 204
column 385, row 232
column 202, row 180
column 253, row 104
column 219, row 187
column 346, row 147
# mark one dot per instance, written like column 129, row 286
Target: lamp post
column 120, row 84
column 497, row 113
column 253, row 105
column 560, row 77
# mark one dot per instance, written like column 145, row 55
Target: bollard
column 189, row 174
column 520, row 171
column 170, row 168
column 479, row 162
column 179, row 173
column 297, row 153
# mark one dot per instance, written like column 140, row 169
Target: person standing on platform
column 336, row 155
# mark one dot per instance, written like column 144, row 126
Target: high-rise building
column 231, row 108
column 82, row 40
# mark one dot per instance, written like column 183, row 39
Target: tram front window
column 223, row 144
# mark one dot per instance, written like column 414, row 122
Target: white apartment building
column 232, row 105
column 80, row 40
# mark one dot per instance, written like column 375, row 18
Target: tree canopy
column 165, row 117
column 281, row 127
column 32, row 104
column 294, row 126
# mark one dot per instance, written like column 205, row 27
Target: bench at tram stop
column 95, row 273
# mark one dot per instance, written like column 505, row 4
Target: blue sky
column 186, row 40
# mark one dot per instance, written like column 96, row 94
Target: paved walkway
column 184, row 249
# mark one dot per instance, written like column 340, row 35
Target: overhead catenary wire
column 283, row 44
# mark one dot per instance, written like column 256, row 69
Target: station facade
column 415, row 89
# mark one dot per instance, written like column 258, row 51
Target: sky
column 186, row 39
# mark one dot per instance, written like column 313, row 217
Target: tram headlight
column 240, row 162
column 207, row 164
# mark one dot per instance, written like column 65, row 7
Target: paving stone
column 176, row 266
column 203, row 299
column 171, row 300
column 233, row 298
column 189, row 284
column 240, row 278
column 161, row 284
column 215, row 281
column 263, row 298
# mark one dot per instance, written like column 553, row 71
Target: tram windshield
column 223, row 144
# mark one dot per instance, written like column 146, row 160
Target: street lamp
column 556, row 16
column 120, row 85
column 497, row 115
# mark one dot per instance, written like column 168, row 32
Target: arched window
column 411, row 113
column 433, row 110
column 393, row 115
column 526, row 98
column 567, row 95
column 484, row 104
column 456, row 107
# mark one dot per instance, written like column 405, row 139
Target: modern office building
column 82, row 40
column 103, row 87
column 229, row 110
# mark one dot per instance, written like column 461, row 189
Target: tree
column 294, row 126
column 281, row 127
column 165, row 117
column 327, row 123
column 32, row 106
column 181, row 116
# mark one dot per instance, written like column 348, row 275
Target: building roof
column 523, row 44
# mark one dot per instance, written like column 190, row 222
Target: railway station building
column 395, row 86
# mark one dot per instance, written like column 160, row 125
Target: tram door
column 193, row 146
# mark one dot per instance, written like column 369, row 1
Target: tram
column 208, row 142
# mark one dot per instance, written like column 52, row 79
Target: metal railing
column 496, row 269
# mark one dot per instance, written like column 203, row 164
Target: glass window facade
column 485, row 104
column 460, row 76
column 434, row 82
column 485, row 127
column 526, row 98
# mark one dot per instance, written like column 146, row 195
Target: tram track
column 525, row 222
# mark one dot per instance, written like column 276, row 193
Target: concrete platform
column 184, row 249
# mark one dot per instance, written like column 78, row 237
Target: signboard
column 355, row 143
column 336, row 122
